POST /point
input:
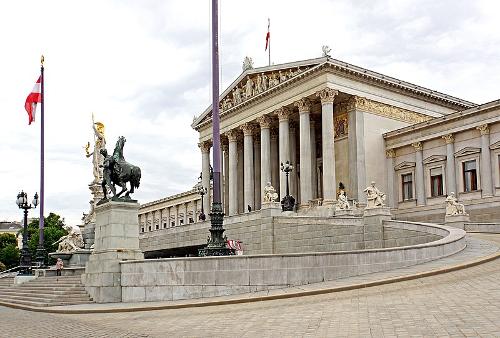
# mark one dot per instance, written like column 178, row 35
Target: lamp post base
column 216, row 245
column 41, row 255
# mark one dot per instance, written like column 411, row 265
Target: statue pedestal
column 376, row 216
column 116, row 239
column 88, row 234
column 344, row 213
column 457, row 221
column 271, row 208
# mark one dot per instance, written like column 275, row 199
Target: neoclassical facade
column 325, row 116
column 336, row 123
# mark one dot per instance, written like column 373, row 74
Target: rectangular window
column 173, row 223
column 191, row 220
column 142, row 229
column 407, row 181
column 436, row 182
column 157, row 226
column 164, row 225
column 150, row 228
column 181, row 222
column 469, row 175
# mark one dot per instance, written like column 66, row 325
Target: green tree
column 53, row 230
column 9, row 255
column 2, row 267
column 6, row 239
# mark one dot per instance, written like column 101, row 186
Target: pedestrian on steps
column 59, row 266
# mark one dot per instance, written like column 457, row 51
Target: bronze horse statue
column 118, row 171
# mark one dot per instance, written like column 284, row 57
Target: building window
column 407, row 181
column 150, row 228
column 436, row 182
column 157, row 226
column 191, row 220
column 165, row 225
column 470, row 175
column 142, row 229
column 181, row 222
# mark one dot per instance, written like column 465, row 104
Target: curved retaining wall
column 198, row 277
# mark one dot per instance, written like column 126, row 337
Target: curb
column 392, row 280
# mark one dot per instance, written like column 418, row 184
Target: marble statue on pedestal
column 374, row 197
column 270, row 194
column 453, row 207
column 71, row 242
column 99, row 143
column 342, row 202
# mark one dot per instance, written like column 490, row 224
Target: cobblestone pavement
column 461, row 303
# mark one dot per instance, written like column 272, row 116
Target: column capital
column 232, row 135
column 304, row 105
column 264, row 121
column 418, row 146
column 248, row 128
column 224, row 144
column 327, row 95
column 484, row 129
column 283, row 113
column 390, row 153
column 205, row 146
column 448, row 138
column 353, row 102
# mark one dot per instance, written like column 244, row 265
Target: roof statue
column 326, row 51
column 247, row 63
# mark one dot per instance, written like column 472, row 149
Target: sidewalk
column 480, row 248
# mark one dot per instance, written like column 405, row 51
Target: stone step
column 48, row 300
column 59, row 283
column 58, row 293
column 45, row 304
column 55, row 280
column 50, row 288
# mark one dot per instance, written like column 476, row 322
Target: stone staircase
column 44, row 291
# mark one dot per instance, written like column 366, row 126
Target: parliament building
column 339, row 125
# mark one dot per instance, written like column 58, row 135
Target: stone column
column 265, row 152
column 327, row 97
column 232, row 137
column 356, row 141
column 249, row 174
column 186, row 218
column 284, row 144
column 241, row 174
column 304, row 106
column 314, row 169
column 205, row 172
column 486, row 173
column 419, row 173
column 275, row 169
column 225, row 149
column 451, row 182
column 391, row 187
column 257, row 165
column 293, row 160
column 176, row 207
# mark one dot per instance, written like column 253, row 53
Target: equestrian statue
column 117, row 171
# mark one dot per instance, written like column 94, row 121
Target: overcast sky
column 143, row 68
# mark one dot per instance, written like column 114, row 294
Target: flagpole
column 40, row 251
column 268, row 28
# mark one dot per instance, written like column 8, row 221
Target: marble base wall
column 116, row 239
column 193, row 277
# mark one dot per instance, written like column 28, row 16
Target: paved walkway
column 460, row 303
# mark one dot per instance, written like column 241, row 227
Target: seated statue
column 270, row 194
column 342, row 202
column 374, row 197
column 72, row 241
column 453, row 207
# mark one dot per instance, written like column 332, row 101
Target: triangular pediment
column 495, row 145
column 467, row 151
column 404, row 165
column 256, row 81
column 434, row 158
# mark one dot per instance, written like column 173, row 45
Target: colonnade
column 178, row 214
column 264, row 147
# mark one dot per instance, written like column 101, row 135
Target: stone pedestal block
column 88, row 235
column 344, row 213
column 116, row 239
column 457, row 221
column 270, row 209
column 375, row 216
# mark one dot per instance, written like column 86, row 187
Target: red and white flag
column 268, row 35
column 33, row 98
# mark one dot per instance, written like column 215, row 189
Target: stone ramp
column 45, row 291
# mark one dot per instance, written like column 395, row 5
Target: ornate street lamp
column 288, row 202
column 202, row 191
column 22, row 203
